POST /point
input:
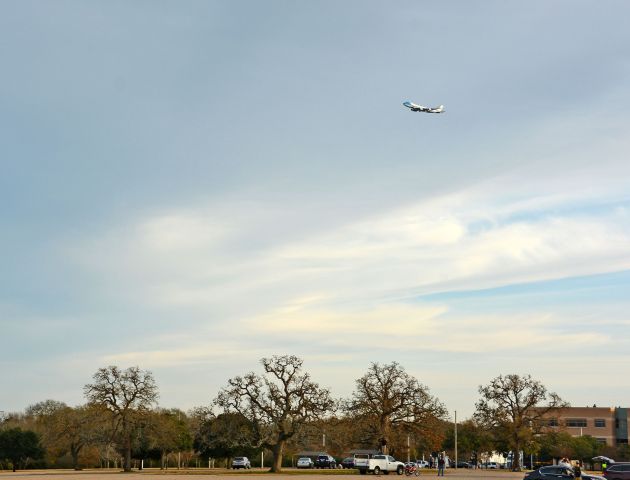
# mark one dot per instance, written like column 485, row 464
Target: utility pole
column 179, row 457
column 408, row 450
column 455, row 439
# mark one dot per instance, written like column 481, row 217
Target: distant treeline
column 279, row 413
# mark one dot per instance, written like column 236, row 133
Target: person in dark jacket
column 441, row 463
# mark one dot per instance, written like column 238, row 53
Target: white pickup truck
column 381, row 463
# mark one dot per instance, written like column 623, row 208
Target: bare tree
column 44, row 409
column 127, row 394
column 277, row 404
column 72, row 429
column 392, row 400
column 514, row 406
column 41, row 418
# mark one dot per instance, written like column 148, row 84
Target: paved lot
column 290, row 474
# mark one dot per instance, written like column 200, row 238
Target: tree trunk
column 516, row 456
column 385, row 431
column 128, row 453
column 278, row 448
column 74, row 453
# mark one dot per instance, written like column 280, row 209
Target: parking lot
column 219, row 474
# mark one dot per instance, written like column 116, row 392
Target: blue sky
column 191, row 186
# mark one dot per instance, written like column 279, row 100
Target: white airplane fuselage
column 419, row 108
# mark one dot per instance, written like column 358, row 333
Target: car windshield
column 238, row 459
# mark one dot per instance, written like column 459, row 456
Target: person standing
column 577, row 469
column 441, row 463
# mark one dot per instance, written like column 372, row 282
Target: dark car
column 325, row 461
column 618, row 471
column 348, row 462
column 550, row 472
column 463, row 465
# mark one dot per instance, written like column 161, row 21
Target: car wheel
column 377, row 471
column 399, row 470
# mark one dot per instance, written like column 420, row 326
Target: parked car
column 422, row 463
column 617, row 471
column 241, row 462
column 348, row 462
column 383, row 463
column 491, row 465
column 550, row 472
column 463, row 465
column 305, row 462
column 325, row 461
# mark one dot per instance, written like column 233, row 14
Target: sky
column 192, row 186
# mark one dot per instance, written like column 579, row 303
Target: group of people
column 576, row 466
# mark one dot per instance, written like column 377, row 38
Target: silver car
column 305, row 462
column 241, row 462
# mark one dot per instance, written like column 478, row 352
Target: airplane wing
column 413, row 106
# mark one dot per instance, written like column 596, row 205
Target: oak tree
column 278, row 404
column 393, row 402
column 19, row 447
column 128, row 395
column 514, row 406
column 225, row 436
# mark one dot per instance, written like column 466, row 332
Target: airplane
column 420, row 108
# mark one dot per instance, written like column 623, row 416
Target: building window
column 600, row 422
column 601, row 441
column 552, row 422
column 576, row 422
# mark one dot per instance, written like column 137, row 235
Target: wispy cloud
column 459, row 241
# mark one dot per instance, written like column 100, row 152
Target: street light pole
column 455, row 439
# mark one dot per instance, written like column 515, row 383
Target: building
column 609, row 425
